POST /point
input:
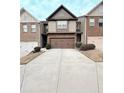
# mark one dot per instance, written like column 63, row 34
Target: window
column 46, row 28
column 61, row 24
column 33, row 28
column 92, row 22
column 100, row 22
column 25, row 28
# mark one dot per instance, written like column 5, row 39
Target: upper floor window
column 92, row 22
column 46, row 28
column 61, row 24
column 33, row 28
column 25, row 28
column 100, row 22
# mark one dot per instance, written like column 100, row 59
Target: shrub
column 48, row 46
column 36, row 49
column 85, row 47
column 78, row 44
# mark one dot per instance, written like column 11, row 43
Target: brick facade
column 94, row 30
column 30, row 36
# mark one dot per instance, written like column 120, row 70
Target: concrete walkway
column 61, row 71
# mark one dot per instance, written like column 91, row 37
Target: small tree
column 48, row 46
column 85, row 47
column 78, row 44
column 36, row 49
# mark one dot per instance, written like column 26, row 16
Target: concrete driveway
column 61, row 71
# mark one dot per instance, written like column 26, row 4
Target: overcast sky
column 41, row 9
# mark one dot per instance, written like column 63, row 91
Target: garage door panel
column 62, row 43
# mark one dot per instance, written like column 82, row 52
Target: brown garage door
column 62, row 43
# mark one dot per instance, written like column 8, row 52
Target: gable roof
column 61, row 7
column 24, row 10
column 94, row 8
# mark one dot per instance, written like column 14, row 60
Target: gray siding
column 97, row 12
column 62, row 14
column 52, row 26
column 83, row 27
column 29, row 18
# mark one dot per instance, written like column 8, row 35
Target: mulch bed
column 95, row 55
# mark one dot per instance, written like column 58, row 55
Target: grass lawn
column 26, row 59
column 95, row 55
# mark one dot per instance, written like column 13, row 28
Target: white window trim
column 25, row 28
column 101, row 21
column 62, row 25
column 91, row 22
column 33, row 27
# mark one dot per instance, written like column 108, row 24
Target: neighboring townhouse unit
column 61, row 30
column 93, row 26
column 29, row 31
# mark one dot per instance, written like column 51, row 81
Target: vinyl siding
column 52, row 26
column 72, row 26
column 62, row 14
column 29, row 18
column 97, row 12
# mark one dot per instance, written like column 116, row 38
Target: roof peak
column 24, row 10
column 95, row 7
column 61, row 6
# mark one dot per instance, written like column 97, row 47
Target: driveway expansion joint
column 23, row 78
column 59, row 71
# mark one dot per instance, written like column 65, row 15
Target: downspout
column 85, row 32
column 39, row 34
column 40, row 31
